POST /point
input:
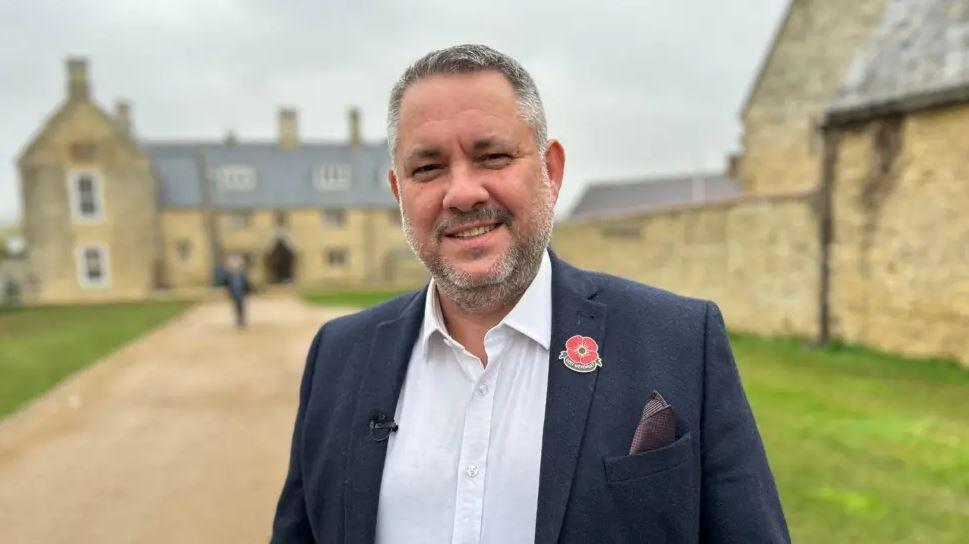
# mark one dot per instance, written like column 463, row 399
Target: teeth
column 477, row 231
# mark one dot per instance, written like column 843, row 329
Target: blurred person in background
column 237, row 284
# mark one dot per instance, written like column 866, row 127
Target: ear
column 394, row 188
column 555, row 165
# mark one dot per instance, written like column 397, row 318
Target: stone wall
column 900, row 253
column 187, row 254
column 79, row 135
column 756, row 256
column 800, row 75
column 371, row 239
column 898, row 260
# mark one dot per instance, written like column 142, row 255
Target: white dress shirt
column 464, row 466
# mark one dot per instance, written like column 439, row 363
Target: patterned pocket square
column 657, row 426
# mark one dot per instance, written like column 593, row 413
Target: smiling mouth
column 474, row 232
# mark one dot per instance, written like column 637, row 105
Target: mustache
column 476, row 215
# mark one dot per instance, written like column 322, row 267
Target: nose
column 465, row 190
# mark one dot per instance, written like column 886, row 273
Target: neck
column 469, row 328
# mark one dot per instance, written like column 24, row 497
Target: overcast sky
column 631, row 88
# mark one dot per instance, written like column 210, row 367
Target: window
column 334, row 218
column 92, row 265
column 280, row 219
column 336, row 258
column 85, row 195
column 239, row 220
column 235, row 178
column 184, row 250
column 331, row 177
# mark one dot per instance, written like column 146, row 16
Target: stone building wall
column 186, row 249
column 371, row 240
column 757, row 257
column 800, row 75
column 900, row 257
column 80, row 136
column 898, row 260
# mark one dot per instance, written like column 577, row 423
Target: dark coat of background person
column 712, row 485
column 237, row 284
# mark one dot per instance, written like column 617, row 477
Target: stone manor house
column 849, row 220
column 107, row 215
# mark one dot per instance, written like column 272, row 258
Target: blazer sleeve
column 739, row 501
column 291, row 524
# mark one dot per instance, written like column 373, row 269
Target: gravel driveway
column 182, row 436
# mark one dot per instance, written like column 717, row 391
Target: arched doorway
column 280, row 263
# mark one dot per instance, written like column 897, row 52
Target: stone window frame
column 337, row 257
column 81, row 265
column 183, row 249
column 332, row 176
column 74, row 194
column 238, row 219
column 334, row 217
column 236, row 178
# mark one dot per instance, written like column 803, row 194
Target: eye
column 425, row 171
column 495, row 160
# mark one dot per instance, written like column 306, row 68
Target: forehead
column 464, row 99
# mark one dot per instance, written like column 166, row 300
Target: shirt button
column 471, row 471
column 482, row 390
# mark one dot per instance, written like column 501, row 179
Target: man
column 237, row 285
column 516, row 398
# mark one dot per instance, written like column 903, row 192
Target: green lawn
column 865, row 447
column 40, row 346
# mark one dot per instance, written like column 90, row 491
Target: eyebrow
column 424, row 153
column 487, row 143
column 434, row 153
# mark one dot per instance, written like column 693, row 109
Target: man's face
column 475, row 194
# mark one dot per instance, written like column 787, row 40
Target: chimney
column 356, row 140
column 288, row 134
column 122, row 117
column 77, row 87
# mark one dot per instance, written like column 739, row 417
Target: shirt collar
column 531, row 316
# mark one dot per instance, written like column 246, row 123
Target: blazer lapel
column 379, row 390
column 569, row 395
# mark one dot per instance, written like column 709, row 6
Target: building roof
column 620, row 197
column 917, row 57
column 284, row 177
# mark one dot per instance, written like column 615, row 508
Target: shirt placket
column 476, row 439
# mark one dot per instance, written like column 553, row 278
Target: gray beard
column 510, row 276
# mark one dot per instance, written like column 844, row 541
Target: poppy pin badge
column 581, row 354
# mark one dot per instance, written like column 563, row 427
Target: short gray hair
column 469, row 59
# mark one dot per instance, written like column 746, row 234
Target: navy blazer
column 711, row 485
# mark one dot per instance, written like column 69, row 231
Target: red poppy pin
column 581, row 354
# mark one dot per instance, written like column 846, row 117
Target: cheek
column 422, row 205
column 518, row 194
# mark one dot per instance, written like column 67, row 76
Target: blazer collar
column 574, row 311
column 380, row 387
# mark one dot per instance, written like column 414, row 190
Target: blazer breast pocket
column 654, row 493
column 641, row 465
